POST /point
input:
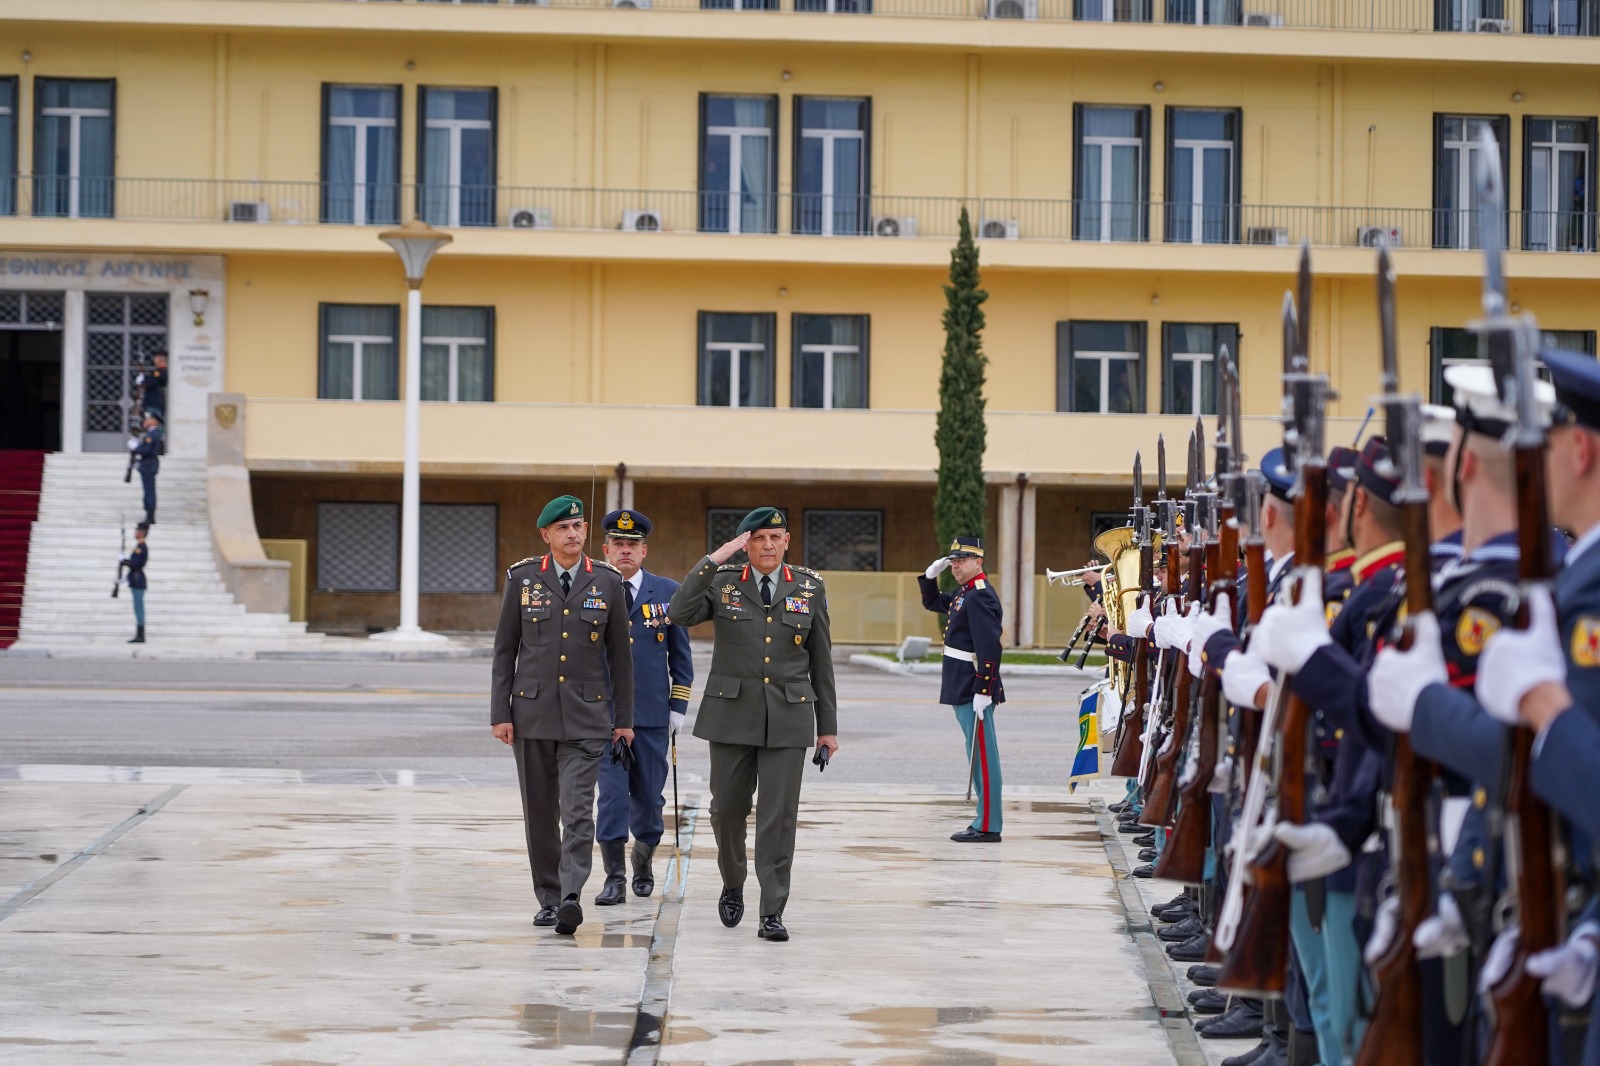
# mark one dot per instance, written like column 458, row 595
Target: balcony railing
column 792, row 215
column 1546, row 18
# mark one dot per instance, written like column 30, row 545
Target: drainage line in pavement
column 645, row 1047
column 111, row 836
column 1163, row 986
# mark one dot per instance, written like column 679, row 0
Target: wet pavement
column 205, row 916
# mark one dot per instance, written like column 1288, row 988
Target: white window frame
column 1105, row 359
column 828, row 351
column 1196, row 148
column 829, row 137
column 1553, row 149
column 734, row 349
column 1105, row 143
column 736, row 136
column 361, row 125
column 1466, row 149
column 455, row 126
column 454, row 344
column 75, row 144
column 1200, row 364
column 358, row 341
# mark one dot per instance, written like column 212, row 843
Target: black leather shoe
column 730, row 906
column 1207, row 1001
column 1147, row 870
column 1255, row 1055
column 545, row 917
column 1146, row 841
column 1147, row 854
column 1171, row 915
column 772, row 928
column 1176, row 902
column 1117, row 807
column 970, row 835
column 569, row 916
column 1241, row 1022
column 1133, row 828
column 1185, row 929
column 644, row 877
column 1192, row 950
column 615, row 890
column 1204, row 976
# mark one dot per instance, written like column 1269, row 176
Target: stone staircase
column 77, row 539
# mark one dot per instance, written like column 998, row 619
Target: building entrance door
column 30, row 370
column 121, row 334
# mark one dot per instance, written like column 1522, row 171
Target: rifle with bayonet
column 1255, row 939
column 1534, row 890
column 1158, row 717
column 122, row 561
column 1395, row 1032
column 1130, row 736
column 1161, row 797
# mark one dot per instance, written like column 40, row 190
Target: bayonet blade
column 1200, row 453
column 1235, row 405
column 1491, row 222
column 1161, row 466
column 1303, row 335
column 1291, row 332
column 1386, row 322
column 1138, row 480
column 1188, row 468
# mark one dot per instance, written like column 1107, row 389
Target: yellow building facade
column 643, row 200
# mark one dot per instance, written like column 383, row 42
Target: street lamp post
column 415, row 243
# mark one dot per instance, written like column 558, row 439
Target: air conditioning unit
column 248, row 211
column 894, row 226
column 1369, row 236
column 1264, row 20
column 532, row 218
column 630, row 3
column 1273, row 235
column 1011, row 9
column 999, row 229
column 1491, row 26
column 641, row 221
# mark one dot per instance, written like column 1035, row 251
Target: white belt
column 957, row 653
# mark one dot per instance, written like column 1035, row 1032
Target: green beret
column 559, row 510
column 763, row 518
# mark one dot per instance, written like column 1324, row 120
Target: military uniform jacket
column 152, row 442
column 974, row 627
column 663, row 671
column 562, row 667
column 771, row 679
column 136, row 563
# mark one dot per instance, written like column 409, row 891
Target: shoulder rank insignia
column 1586, row 641
column 522, row 562
column 608, row 566
column 1474, row 629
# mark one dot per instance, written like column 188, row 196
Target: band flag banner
column 1086, row 764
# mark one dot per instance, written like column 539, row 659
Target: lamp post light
column 415, row 243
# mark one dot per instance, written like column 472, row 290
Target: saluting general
column 562, row 691
column 769, row 694
column 632, row 795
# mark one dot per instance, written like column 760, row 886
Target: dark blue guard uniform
column 632, row 798
column 972, row 668
column 147, row 456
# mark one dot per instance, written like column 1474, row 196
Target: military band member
column 769, row 693
column 632, row 795
column 970, row 683
column 562, row 692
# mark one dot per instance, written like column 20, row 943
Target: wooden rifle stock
column 1162, row 799
column 1130, row 737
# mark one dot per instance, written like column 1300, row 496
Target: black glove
column 622, row 752
column 821, row 758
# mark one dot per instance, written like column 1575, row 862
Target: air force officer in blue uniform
column 631, row 798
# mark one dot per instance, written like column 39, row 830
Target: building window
column 739, row 164
column 8, row 146
column 736, row 359
column 1100, row 367
column 1455, row 191
column 121, row 338
column 74, row 148
column 1189, row 368
column 1562, row 18
column 844, row 540
column 1110, row 160
column 830, row 361
column 1558, row 161
column 1458, row 347
column 456, row 146
column 1469, row 16
column 835, row 7
column 1111, row 10
column 458, row 547
column 722, row 525
column 358, row 547
column 458, row 354
column 37, row 310
column 739, row 5
column 361, row 154
column 1204, row 12
column 1202, row 176
column 830, row 166
column 359, row 360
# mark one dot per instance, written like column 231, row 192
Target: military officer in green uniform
column 562, row 694
column 768, row 695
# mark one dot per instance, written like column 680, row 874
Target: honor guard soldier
column 147, row 449
column 632, row 795
column 562, row 689
column 970, row 683
column 136, row 561
column 770, row 692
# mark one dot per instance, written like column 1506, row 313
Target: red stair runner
column 21, row 474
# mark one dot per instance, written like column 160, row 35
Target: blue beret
column 559, row 510
column 626, row 525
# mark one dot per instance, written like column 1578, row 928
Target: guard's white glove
column 1443, row 933
column 1222, row 776
column 677, row 720
column 937, row 567
column 981, row 704
column 1172, row 628
column 133, row 443
column 1140, row 620
column 1208, row 624
column 1569, row 970
column 1290, row 633
column 1397, row 678
column 1515, row 661
column 1242, row 677
column 1315, row 850
column 1382, row 930
column 1502, row 953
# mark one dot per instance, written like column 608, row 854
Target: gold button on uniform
column 769, row 640
column 563, row 658
column 1480, row 798
column 560, row 679
column 565, row 611
column 768, row 659
column 769, row 619
column 563, row 636
column 630, row 640
column 766, row 680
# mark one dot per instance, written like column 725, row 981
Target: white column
column 613, row 496
column 411, row 474
column 72, row 372
column 1014, row 563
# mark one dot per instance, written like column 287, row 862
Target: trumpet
column 1068, row 578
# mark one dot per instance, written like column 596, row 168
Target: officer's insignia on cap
column 1474, row 630
column 1586, row 641
column 574, row 509
column 775, row 520
column 625, row 521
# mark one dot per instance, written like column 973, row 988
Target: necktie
column 566, row 583
column 766, row 591
column 627, row 590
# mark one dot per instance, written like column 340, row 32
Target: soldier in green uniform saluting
column 769, row 694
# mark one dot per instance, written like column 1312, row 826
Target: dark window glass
column 359, row 354
column 831, row 166
column 830, row 361
column 739, row 164
column 1100, row 367
column 736, row 359
column 74, row 148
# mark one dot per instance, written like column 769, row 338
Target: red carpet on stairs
column 21, row 474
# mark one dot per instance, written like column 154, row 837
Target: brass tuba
column 1119, row 590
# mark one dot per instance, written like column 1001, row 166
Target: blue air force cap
column 626, row 525
column 1577, row 381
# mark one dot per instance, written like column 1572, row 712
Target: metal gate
column 121, row 334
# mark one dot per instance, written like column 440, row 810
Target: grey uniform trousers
column 557, row 779
column 737, row 772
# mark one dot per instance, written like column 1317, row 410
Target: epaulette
column 805, row 570
column 608, row 566
column 522, row 562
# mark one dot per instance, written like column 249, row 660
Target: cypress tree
column 958, row 503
